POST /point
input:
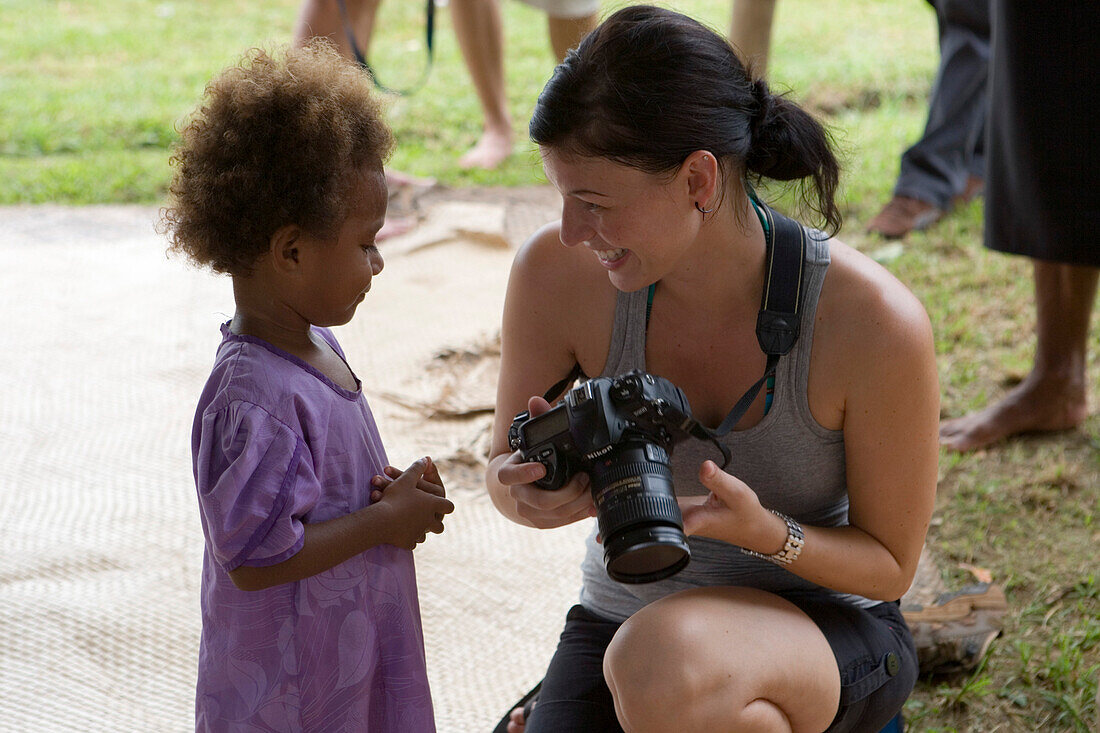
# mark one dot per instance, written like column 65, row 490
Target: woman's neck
column 725, row 268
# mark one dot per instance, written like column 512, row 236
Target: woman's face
column 636, row 224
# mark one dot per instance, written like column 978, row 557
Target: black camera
column 620, row 431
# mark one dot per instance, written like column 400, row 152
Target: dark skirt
column 1043, row 183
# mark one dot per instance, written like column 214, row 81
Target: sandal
column 954, row 634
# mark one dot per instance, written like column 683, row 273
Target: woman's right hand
column 535, row 506
column 539, row 507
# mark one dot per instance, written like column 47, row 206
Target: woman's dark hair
column 275, row 142
column 650, row 86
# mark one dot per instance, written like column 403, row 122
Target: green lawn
column 92, row 91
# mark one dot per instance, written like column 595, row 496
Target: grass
column 91, row 93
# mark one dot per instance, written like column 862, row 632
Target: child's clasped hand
column 415, row 500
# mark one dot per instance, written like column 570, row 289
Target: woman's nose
column 376, row 262
column 575, row 228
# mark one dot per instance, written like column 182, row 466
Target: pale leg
column 566, row 33
column 321, row 18
column 1054, row 396
column 751, row 32
column 722, row 659
column 480, row 34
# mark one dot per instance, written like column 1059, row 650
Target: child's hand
column 416, row 501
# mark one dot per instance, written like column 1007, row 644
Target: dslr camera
column 620, row 431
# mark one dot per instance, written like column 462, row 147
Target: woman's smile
column 611, row 257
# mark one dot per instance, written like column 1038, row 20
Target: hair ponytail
column 650, row 86
column 788, row 144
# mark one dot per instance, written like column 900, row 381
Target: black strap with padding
column 777, row 323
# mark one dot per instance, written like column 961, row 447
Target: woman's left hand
column 731, row 512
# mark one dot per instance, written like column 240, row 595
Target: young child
column 309, row 606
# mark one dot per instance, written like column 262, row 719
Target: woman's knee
column 645, row 671
column 706, row 657
column 655, row 670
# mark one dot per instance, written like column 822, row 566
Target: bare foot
column 403, row 193
column 491, row 150
column 1035, row 405
column 518, row 721
column 397, row 179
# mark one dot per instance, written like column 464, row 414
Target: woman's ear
column 700, row 170
column 285, row 248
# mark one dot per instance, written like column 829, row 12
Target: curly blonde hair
column 274, row 142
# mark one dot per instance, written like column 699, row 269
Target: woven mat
column 108, row 343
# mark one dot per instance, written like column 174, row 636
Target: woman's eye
column 592, row 207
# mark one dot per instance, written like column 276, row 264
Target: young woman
column 651, row 131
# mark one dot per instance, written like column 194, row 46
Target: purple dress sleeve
column 255, row 482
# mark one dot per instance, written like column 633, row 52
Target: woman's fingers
column 548, row 509
column 515, row 471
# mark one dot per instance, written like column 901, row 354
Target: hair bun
column 765, row 103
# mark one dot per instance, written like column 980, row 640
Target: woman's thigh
column 875, row 654
column 723, row 658
column 703, row 639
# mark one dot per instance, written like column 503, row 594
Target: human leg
column 321, row 18
column 945, row 164
column 751, row 32
column 1054, row 395
column 722, row 659
column 566, row 33
column 479, row 29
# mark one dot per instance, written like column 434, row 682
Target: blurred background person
column 479, row 29
column 1043, row 201
column 946, row 166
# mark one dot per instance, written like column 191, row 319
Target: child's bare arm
column 411, row 505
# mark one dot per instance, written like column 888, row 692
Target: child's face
column 341, row 269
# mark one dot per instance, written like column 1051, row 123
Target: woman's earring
column 701, row 210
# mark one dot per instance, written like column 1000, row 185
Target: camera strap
column 777, row 323
column 361, row 58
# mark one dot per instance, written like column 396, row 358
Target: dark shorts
column 873, row 648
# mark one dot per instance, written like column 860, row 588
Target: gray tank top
column 795, row 465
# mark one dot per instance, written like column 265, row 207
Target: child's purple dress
column 276, row 445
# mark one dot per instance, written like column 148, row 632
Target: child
column 309, row 606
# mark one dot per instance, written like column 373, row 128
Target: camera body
column 620, row 431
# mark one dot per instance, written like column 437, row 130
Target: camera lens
column 639, row 519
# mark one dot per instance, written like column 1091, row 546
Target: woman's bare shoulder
column 548, row 270
column 864, row 305
column 560, row 302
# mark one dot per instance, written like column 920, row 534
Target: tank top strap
column 793, row 374
column 627, row 348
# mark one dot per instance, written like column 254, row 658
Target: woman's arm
column 552, row 320
column 876, row 345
